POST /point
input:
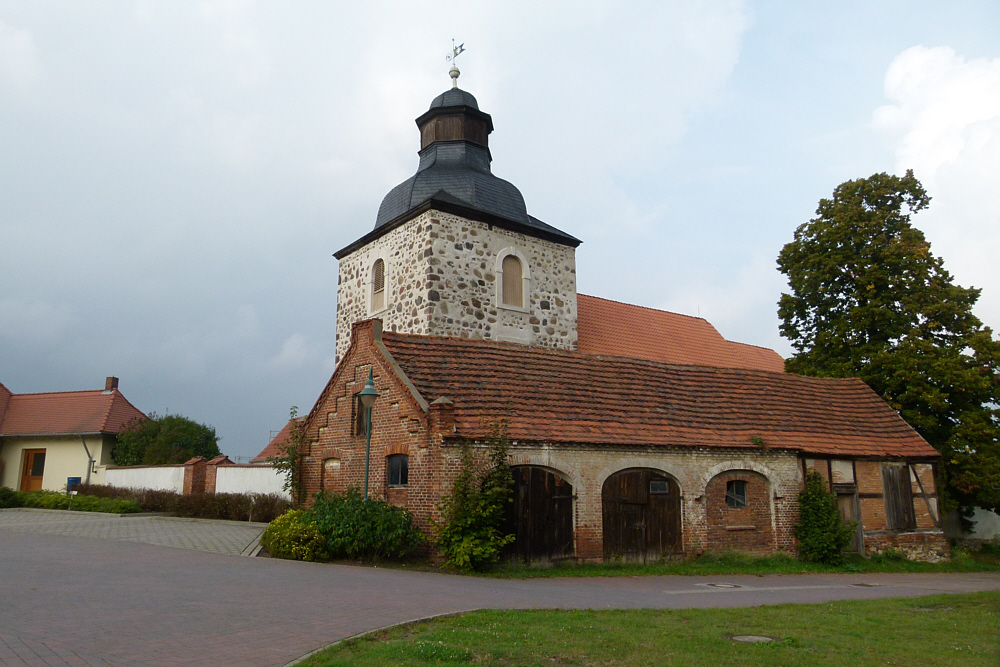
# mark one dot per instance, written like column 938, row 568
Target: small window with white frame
column 513, row 279
column 378, row 286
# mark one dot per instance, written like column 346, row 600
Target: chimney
column 111, row 382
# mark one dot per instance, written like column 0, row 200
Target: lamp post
column 367, row 397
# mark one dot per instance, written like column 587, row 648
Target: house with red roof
column 635, row 433
column 49, row 439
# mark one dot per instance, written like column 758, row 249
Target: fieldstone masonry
column 441, row 279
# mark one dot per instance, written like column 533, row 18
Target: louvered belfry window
column 378, row 285
column 513, row 291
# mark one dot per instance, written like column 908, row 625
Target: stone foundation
column 930, row 546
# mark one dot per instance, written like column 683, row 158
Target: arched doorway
column 541, row 516
column 642, row 515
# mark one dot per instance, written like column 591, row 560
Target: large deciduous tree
column 868, row 299
column 167, row 439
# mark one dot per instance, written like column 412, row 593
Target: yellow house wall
column 64, row 457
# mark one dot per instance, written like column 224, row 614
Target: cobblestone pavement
column 221, row 537
column 66, row 600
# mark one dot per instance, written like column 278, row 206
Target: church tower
column 454, row 251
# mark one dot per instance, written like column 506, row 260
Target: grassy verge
column 942, row 630
column 962, row 561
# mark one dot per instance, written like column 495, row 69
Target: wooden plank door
column 850, row 510
column 32, row 467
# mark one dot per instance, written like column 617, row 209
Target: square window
column 399, row 474
column 660, row 486
column 736, row 493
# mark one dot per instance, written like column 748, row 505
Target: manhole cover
column 866, row 585
column 752, row 639
column 725, row 585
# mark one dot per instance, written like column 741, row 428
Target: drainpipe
column 90, row 459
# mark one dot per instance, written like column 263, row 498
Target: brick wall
column 747, row 529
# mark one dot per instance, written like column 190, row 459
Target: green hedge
column 367, row 529
column 53, row 500
column 226, row 506
column 343, row 526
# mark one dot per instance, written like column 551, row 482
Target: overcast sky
column 175, row 176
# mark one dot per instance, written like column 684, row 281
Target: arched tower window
column 378, row 285
column 513, row 294
column 514, row 279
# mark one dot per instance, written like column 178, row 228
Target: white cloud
column 944, row 122
column 295, row 352
column 19, row 62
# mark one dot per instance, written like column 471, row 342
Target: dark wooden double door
column 642, row 516
column 541, row 516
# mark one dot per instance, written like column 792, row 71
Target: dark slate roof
column 455, row 97
column 461, row 170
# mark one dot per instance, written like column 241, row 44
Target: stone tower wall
column 441, row 279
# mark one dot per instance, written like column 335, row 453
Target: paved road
column 70, row 600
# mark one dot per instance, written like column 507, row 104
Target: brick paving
column 221, row 537
column 70, row 600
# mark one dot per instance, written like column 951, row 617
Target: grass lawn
column 987, row 560
column 961, row 630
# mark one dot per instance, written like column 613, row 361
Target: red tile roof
column 67, row 413
column 570, row 397
column 272, row 447
column 621, row 329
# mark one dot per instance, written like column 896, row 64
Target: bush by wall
column 367, row 529
column 225, row 506
column 294, row 536
column 821, row 532
column 9, row 498
column 53, row 500
column 470, row 535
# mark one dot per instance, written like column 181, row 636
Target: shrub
column 470, row 535
column 294, row 536
column 366, row 529
column 52, row 500
column 227, row 506
column 9, row 497
column 822, row 533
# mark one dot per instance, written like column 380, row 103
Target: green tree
column 162, row 440
column 868, row 299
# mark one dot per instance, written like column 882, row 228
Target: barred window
column 736, row 493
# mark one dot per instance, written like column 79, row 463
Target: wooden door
column 541, row 516
column 850, row 510
column 32, row 467
column 898, row 497
column 642, row 518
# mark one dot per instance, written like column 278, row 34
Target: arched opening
column 642, row 515
column 541, row 516
column 738, row 509
column 378, row 285
column 512, row 289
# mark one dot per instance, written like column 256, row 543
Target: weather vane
column 455, row 52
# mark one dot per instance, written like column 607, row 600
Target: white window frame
column 525, row 280
column 369, row 293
